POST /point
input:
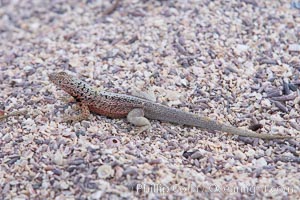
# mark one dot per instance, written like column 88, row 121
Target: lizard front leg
column 136, row 117
column 70, row 100
column 67, row 99
column 85, row 112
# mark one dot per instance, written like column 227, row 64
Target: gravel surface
column 234, row 61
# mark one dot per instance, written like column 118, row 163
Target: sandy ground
column 234, row 61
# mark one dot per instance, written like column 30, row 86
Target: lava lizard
column 137, row 109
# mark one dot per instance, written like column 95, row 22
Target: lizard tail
column 249, row 133
column 164, row 113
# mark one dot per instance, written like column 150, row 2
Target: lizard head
column 60, row 79
column 63, row 80
column 70, row 84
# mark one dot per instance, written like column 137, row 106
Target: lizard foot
column 85, row 112
column 138, row 131
column 67, row 99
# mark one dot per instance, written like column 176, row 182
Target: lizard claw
column 67, row 99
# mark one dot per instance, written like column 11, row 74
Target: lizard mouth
column 52, row 77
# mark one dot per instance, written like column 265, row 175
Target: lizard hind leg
column 136, row 117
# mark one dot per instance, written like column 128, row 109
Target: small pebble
column 294, row 47
column 105, row 171
column 113, row 142
column 196, row 155
column 29, row 70
column 261, row 162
